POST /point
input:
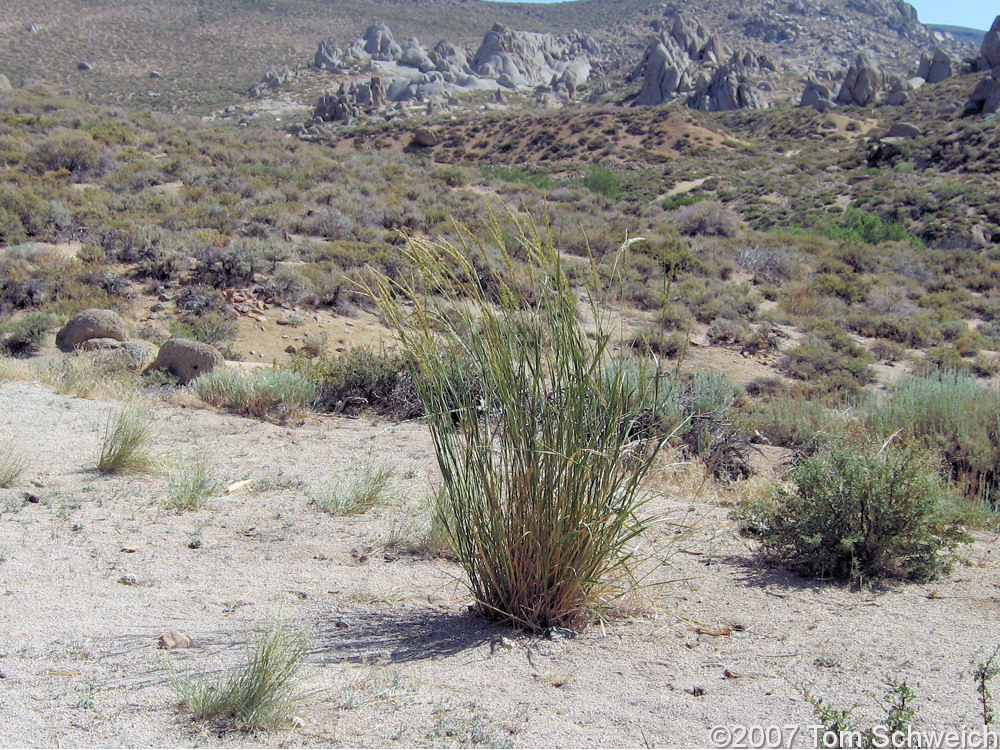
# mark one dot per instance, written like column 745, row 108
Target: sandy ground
column 398, row 659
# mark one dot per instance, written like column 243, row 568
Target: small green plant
column 356, row 494
column 11, row 465
column 983, row 673
column 190, row 485
column 126, row 440
column 860, row 512
column 261, row 693
column 265, row 394
column 840, row 730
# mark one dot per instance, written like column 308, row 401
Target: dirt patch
column 398, row 658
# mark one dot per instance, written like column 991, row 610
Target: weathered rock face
column 936, row 67
column 414, row 55
column 904, row 130
column 328, row 57
column 524, row 59
column 273, row 79
column 817, row 95
column 730, row 87
column 863, row 83
column 91, row 324
column 425, row 137
column 986, row 98
column 379, row 44
column 133, row 354
column 5, row 83
column 989, row 52
column 665, row 72
column 187, row 359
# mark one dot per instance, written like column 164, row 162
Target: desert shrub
column 11, row 465
column 799, row 423
column 860, row 512
column 830, row 361
column 261, row 693
column 952, row 414
column 126, row 440
column 265, row 394
column 359, row 376
column 231, row 266
column 711, row 301
column 655, row 340
column 289, row 286
column 768, row 266
column 543, row 505
column 72, row 150
column 708, row 218
column 887, row 351
column 603, row 181
column 22, row 337
column 357, row 493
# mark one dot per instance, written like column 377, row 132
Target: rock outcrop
column 986, row 98
column 91, row 324
column 989, row 52
column 379, row 44
column 730, row 87
column 863, row 84
column 936, row 67
column 527, row 59
column 187, row 359
column 132, row 354
column 5, row 83
column 665, row 72
column 817, row 95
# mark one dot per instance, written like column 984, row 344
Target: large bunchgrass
column 266, row 394
column 261, row 693
column 542, row 469
column 126, row 440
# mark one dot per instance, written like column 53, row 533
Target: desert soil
column 398, row 659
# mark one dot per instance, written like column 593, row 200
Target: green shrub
column 262, row 693
column 830, row 361
column 795, row 422
column 860, row 512
column 543, row 505
column 265, row 394
column 603, row 181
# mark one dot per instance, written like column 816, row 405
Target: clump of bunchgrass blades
column 126, row 440
column 357, row 493
column 11, row 464
column 261, row 693
column 275, row 395
column 542, row 469
column 190, row 485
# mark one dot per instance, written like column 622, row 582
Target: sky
column 974, row 14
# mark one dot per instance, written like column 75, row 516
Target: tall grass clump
column 953, row 414
column 542, row 469
column 261, row 693
column 266, row 394
column 11, row 465
column 125, row 441
column 860, row 511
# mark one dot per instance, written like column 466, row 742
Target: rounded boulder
column 187, row 359
column 91, row 324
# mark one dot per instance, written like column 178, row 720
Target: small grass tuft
column 190, row 486
column 126, row 440
column 11, row 465
column 261, row 693
column 358, row 493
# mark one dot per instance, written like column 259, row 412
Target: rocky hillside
column 193, row 54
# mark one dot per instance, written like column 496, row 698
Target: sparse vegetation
column 265, row 394
column 190, row 485
column 11, row 464
column 357, row 493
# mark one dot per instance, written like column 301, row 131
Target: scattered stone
column 91, row 324
column 425, row 137
column 154, row 74
column 175, row 639
column 129, row 579
column 297, row 722
column 904, row 130
column 986, row 98
column 5, row 83
column 31, row 497
column 84, row 66
column 187, row 359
